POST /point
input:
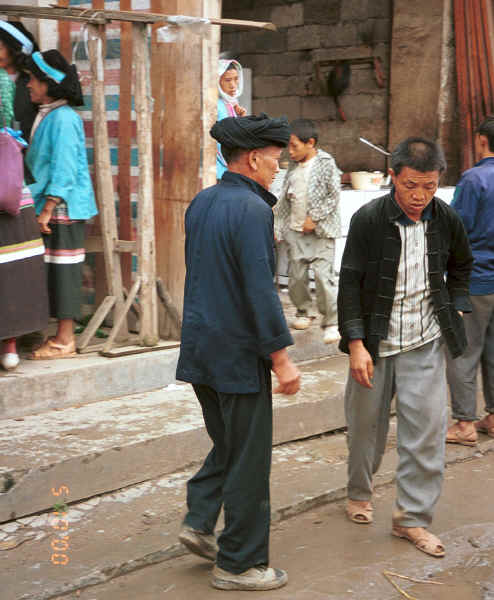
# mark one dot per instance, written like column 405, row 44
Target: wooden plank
column 210, row 56
column 94, row 243
column 146, row 251
column 103, row 174
column 125, row 141
column 92, row 348
column 121, row 315
column 96, row 320
column 128, row 349
column 157, row 90
column 99, row 17
column 64, row 42
column 167, row 301
column 182, row 142
column 126, row 246
column 57, row 14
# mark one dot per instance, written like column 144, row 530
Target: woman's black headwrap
column 17, row 42
column 62, row 79
column 251, row 132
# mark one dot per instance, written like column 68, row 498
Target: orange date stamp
column 60, row 544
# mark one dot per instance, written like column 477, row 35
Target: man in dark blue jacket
column 474, row 202
column 234, row 332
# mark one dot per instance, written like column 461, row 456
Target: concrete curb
column 338, row 492
column 164, row 434
column 40, row 386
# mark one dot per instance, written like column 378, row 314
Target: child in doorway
column 307, row 217
column 230, row 88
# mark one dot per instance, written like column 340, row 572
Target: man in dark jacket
column 395, row 311
column 234, row 332
column 474, row 202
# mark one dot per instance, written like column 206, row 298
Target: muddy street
column 329, row 558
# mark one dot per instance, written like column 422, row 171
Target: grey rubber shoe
column 202, row 544
column 255, row 579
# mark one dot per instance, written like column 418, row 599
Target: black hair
column 231, row 155
column 419, row 154
column 487, row 128
column 304, row 129
column 69, row 88
column 231, row 66
column 14, row 47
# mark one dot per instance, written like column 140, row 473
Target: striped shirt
column 412, row 321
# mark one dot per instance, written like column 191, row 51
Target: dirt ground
column 329, row 558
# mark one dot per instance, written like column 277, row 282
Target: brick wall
column 283, row 65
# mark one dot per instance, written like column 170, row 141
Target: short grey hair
column 419, row 154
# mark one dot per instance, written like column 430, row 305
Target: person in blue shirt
column 234, row 332
column 474, row 202
column 62, row 192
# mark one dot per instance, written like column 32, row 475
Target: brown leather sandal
column 482, row 427
column 358, row 513
column 456, row 436
column 421, row 538
column 51, row 350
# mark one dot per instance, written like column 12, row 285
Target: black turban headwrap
column 251, row 132
column 69, row 88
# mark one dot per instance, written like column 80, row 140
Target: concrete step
column 106, row 445
column 39, row 386
column 116, row 533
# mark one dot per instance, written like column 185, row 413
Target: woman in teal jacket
column 63, row 193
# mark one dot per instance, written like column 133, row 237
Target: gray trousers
column 418, row 378
column 462, row 372
column 304, row 251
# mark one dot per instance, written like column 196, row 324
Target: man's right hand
column 361, row 365
column 286, row 372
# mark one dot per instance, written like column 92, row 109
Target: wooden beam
column 94, row 243
column 125, row 246
column 146, row 252
column 99, row 17
column 103, row 174
column 121, row 315
column 125, row 142
column 96, row 320
column 64, row 41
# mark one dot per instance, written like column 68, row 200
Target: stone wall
column 284, row 68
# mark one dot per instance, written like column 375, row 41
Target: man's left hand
column 309, row 225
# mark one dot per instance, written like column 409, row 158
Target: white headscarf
column 222, row 67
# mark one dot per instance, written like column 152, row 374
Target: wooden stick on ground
column 389, row 574
column 412, row 578
column 397, row 587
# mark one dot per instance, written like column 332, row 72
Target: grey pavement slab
column 39, row 386
column 118, row 533
column 106, row 445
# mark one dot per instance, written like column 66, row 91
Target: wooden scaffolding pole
column 104, row 186
column 148, row 331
